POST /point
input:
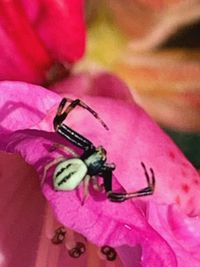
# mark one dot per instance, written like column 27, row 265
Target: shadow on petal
column 21, row 209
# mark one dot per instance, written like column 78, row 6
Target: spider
column 69, row 173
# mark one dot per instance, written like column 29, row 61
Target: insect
column 69, row 173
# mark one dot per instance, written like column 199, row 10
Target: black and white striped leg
column 62, row 113
column 75, row 138
column 120, row 197
column 71, row 135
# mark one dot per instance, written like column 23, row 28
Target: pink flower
column 159, row 230
column 36, row 34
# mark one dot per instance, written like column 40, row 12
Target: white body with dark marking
column 69, row 174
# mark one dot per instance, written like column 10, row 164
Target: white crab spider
column 69, row 173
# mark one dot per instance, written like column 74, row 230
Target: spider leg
column 61, row 115
column 49, row 165
column 94, row 113
column 61, row 107
column 151, row 182
column 65, row 149
column 85, row 188
column 120, row 197
column 71, row 135
column 75, row 138
column 96, row 186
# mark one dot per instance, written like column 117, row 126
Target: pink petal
column 23, row 56
column 60, row 26
column 34, row 34
column 22, row 211
column 26, row 221
column 132, row 138
column 96, row 214
column 22, row 107
column 180, row 231
column 99, row 83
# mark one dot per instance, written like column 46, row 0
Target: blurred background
column 154, row 46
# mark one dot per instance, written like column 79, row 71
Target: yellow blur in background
column 153, row 46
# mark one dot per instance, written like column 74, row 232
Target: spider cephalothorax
column 95, row 160
column 69, row 173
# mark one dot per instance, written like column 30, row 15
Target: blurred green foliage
column 189, row 143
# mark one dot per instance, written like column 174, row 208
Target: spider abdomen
column 68, row 174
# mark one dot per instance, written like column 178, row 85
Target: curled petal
column 21, row 108
column 22, row 211
column 99, row 84
column 132, row 138
column 179, row 230
column 97, row 214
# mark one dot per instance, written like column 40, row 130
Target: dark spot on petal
column 177, row 200
column 184, row 164
column 171, row 155
column 196, row 181
column 185, row 188
column 192, row 211
column 183, row 172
